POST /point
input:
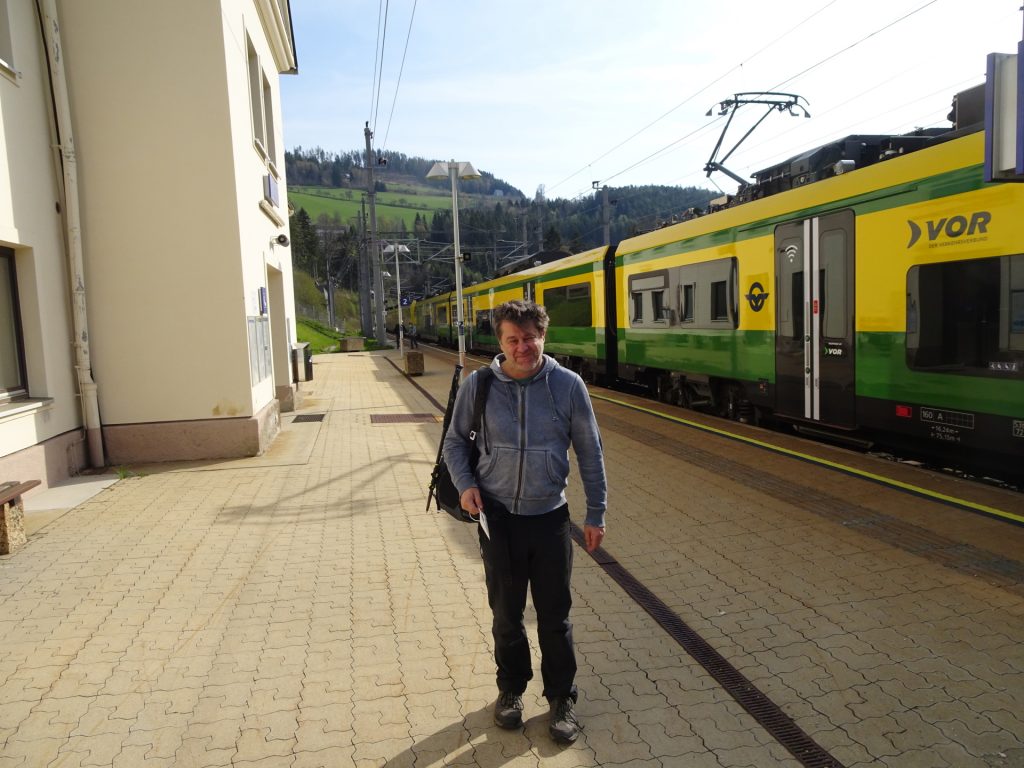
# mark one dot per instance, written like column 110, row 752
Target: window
column 12, row 350
column 707, row 294
column 483, row 322
column 648, row 291
column 686, row 313
column 268, row 123
column 256, row 97
column 6, row 47
column 832, row 284
column 569, row 305
column 442, row 315
column 967, row 317
column 719, row 301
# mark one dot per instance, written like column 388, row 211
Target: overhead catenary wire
column 697, row 93
column 380, row 71
column 408, row 35
column 780, row 84
column 376, row 64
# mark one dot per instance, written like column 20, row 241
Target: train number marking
column 947, row 418
column 1018, row 427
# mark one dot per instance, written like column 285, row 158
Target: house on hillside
column 146, row 302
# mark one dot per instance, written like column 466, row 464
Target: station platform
column 302, row 609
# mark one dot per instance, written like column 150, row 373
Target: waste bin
column 302, row 362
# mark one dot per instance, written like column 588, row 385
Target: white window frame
column 11, row 329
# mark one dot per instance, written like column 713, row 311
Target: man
column 414, row 341
column 535, row 410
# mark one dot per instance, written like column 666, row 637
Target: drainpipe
column 72, row 224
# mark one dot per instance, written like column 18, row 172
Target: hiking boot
column 564, row 727
column 508, row 710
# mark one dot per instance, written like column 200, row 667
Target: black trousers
column 537, row 554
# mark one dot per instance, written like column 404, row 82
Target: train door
column 814, row 340
column 530, row 290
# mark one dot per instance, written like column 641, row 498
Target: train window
column 638, row 307
column 569, row 305
column 716, row 282
column 967, row 316
column 648, row 292
column 442, row 315
column 658, row 305
column 483, row 322
column 719, row 301
column 687, row 307
column 832, row 284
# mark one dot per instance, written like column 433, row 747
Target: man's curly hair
column 521, row 313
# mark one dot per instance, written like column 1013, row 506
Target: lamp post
column 398, row 250
column 454, row 171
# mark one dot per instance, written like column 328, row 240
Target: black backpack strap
column 483, row 386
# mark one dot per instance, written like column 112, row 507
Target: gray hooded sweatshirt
column 527, row 429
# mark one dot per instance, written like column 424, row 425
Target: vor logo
column 757, row 297
column 952, row 227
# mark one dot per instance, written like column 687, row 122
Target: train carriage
column 913, row 328
column 910, row 334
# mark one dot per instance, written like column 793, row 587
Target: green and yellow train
column 910, row 334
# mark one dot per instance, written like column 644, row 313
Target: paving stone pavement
column 301, row 609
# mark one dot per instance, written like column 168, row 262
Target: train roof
column 569, row 262
column 862, row 150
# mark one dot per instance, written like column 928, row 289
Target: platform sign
column 1004, row 117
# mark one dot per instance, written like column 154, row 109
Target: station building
column 146, row 302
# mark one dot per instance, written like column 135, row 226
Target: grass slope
column 403, row 202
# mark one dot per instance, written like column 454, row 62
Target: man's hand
column 471, row 501
column 592, row 536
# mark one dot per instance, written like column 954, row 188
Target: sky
column 566, row 93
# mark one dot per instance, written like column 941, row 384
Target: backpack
column 441, row 487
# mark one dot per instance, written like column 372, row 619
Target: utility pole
column 605, row 213
column 330, row 292
column 365, row 310
column 378, row 277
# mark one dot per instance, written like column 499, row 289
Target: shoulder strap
column 483, row 386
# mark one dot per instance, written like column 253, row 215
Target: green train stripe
column 883, row 373
column 892, row 483
column 713, row 352
column 942, row 185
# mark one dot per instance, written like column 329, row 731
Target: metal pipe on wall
column 87, row 387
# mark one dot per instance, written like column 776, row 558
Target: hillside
column 497, row 224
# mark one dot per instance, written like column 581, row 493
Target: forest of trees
column 492, row 227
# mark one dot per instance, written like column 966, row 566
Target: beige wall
column 175, row 244
column 32, row 227
column 173, row 237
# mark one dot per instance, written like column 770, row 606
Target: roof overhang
column 276, row 16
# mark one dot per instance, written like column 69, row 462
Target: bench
column 12, row 515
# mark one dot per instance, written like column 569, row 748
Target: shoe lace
column 510, row 700
column 565, row 712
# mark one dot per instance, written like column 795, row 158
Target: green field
column 392, row 206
